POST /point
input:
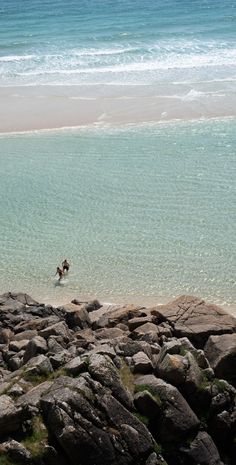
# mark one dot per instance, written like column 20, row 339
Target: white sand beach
column 27, row 108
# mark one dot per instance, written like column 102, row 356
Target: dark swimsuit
column 65, row 268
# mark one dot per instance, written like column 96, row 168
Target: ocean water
column 143, row 212
column 188, row 43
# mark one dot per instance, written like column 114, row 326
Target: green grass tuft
column 142, row 418
column 158, row 448
column 35, row 442
column 147, row 388
column 127, row 377
column 36, row 379
column 4, row 460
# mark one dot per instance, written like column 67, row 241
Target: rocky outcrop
column 88, row 422
column 195, row 319
column 92, row 384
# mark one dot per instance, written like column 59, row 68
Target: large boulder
column 175, row 420
column 75, row 366
column 116, row 314
column 58, row 329
column 182, row 371
column 33, row 396
column 16, row 452
column 5, row 335
column 221, row 354
column 27, row 334
column 37, row 367
column 128, row 348
column 91, row 426
column 11, row 417
column 61, row 358
column 141, row 363
column 76, row 316
column 134, row 323
column 194, row 318
column 109, row 333
column 201, row 451
column 35, row 323
column 21, row 297
column 36, row 345
column 146, row 332
column 12, row 302
column 102, row 369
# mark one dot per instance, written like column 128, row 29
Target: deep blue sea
column 143, row 212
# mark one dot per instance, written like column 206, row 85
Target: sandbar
column 29, row 108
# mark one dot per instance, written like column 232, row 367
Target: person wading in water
column 65, row 266
column 60, row 273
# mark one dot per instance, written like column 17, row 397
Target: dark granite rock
column 17, row 452
column 172, row 368
column 128, row 348
column 25, row 299
column 177, row 421
column 35, row 346
column 134, row 323
column 103, row 370
column 109, row 333
column 141, row 363
column 38, row 366
column 17, row 346
column 35, row 323
column 115, row 314
column 76, row 366
column 33, row 396
column 57, row 329
column 93, row 305
column 221, row 354
column 202, row 451
column 147, row 332
column 5, row 335
column 86, row 420
column 11, row 417
column 27, row 334
column 76, row 316
column 155, row 459
column 61, row 358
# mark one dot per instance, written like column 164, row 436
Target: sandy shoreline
column 53, row 107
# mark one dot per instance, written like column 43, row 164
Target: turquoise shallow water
column 142, row 212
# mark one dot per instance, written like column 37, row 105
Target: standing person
column 60, row 273
column 65, row 266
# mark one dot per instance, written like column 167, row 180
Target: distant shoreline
column 32, row 108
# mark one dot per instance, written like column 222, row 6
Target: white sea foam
column 99, row 52
column 14, row 58
column 175, row 61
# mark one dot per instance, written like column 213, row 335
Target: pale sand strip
column 48, row 107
